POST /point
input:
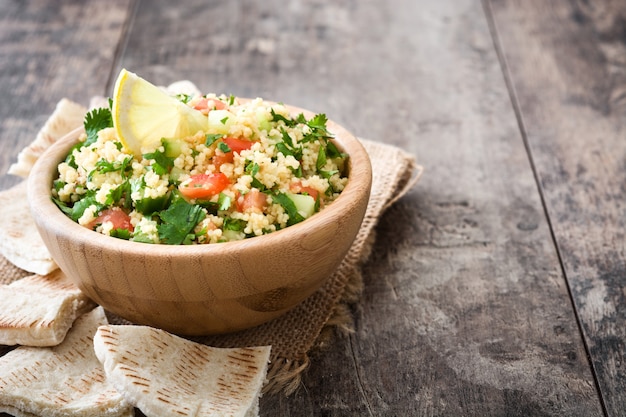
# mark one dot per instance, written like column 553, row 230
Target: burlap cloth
column 294, row 335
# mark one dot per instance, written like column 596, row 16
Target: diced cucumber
column 305, row 204
column 172, row 147
column 175, row 174
column 147, row 205
column 231, row 235
column 220, row 121
column 264, row 121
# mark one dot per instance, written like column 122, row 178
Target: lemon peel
column 143, row 114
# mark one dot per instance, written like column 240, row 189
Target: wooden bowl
column 211, row 288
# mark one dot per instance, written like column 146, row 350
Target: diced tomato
column 207, row 104
column 222, row 158
column 235, row 145
column 118, row 217
column 299, row 189
column 238, row 145
column 254, row 200
column 204, row 186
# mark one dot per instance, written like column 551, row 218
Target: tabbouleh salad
column 257, row 169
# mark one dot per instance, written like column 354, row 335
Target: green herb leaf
column 121, row 233
column 63, row 206
column 96, row 120
column 333, row 152
column 282, row 148
column 286, row 138
column 252, row 169
column 178, row 221
column 58, row 185
column 162, row 164
column 119, row 192
column 279, row 117
column 185, row 98
column 79, row 207
column 223, row 147
column 211, row 138
column 103, row 166
column 327, row 174
column 224, row 201
column 318, row 122
column 290, row 208
column 236, row 225
column 141, row 237
column 321, row 158
column 297, row 171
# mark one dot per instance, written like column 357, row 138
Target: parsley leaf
column 290, row 208
column 211, row 138
column 223, row 147
column 185, row 98
column 321, row 159
column 162, row 163
column 79, row 207
column 178, row 222
column 252, row 168
column 224, row 202
column 103, row 166
column 279, row 117
column 318, row 122
column 282, row 148
column 121, row 234
column 286, row 147
column 236, row 225
column 333, row 152
column 96, row 120
column 119, row 192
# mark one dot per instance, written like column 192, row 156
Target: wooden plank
column 566, row 63
column 465, row 310
column 49, row 51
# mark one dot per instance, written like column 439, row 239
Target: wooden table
column 496, row 286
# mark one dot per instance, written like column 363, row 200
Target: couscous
column 255, row 170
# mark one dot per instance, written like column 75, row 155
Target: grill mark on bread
column 55, row 303
column 167, row 375
column 61, row 378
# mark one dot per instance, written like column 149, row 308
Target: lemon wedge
column 143, row 114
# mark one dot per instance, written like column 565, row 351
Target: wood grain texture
column 49, row 51
column 466, row 309
column 570, row 85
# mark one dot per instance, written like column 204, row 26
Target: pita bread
column 166, row 375
column 65, row 380
column 20, row 241
column 39, row 310
column 66, row 117
column 16, row 412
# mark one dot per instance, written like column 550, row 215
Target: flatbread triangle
column 165, row 375
column 20, row 242
column 61, row 381
column 39, row 310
